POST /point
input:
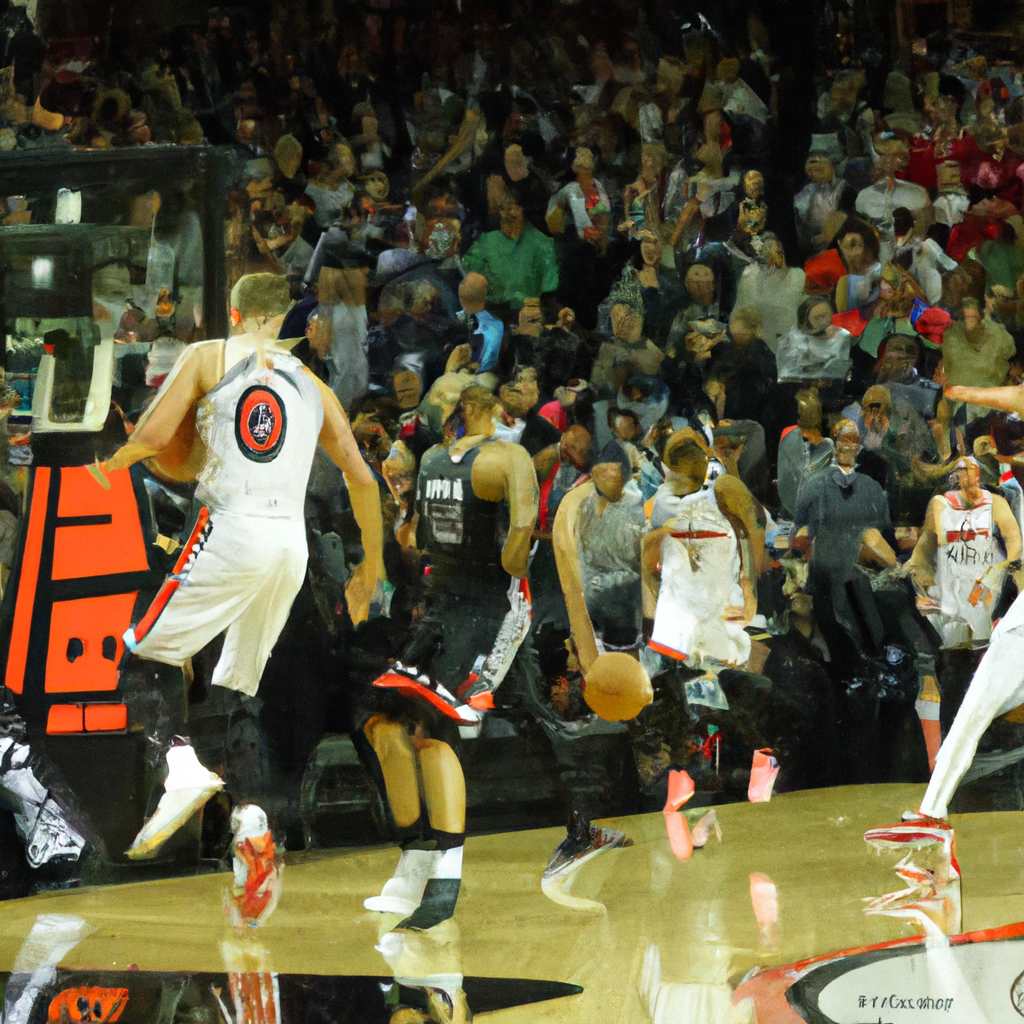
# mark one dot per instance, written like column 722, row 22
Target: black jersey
column 458, row 530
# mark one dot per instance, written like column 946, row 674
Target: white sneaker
column 189, row 785
column 403, row 891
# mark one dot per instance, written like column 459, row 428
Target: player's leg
column 217, row 589
column 397, row 758
column 198, row 601
column 444, row 788
column 997, row 687
column 258, row 620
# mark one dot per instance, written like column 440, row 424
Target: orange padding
column 101, row 549
column 106, row 717
column 65, row 718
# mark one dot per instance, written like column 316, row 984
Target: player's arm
column 1006, row 524
column 567, row 559
column 504, row 472
column 196, row 372
column 1009, row 399
column 740, row 507
column 337, row 440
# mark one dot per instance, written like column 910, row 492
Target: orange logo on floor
column 88, row 1003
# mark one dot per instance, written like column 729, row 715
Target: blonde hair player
column 243, row 417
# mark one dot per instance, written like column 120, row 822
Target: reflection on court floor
column 682, row 934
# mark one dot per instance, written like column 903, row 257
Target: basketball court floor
column 666, row 921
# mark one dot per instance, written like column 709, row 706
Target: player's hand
column 916, row 572
column 359, row 592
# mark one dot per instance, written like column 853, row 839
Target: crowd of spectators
column 625, row 224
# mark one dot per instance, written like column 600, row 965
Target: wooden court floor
column 698, row 913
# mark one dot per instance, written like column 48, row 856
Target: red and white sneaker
column 915, row 831
column 934, row 885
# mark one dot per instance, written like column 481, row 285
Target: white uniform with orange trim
column 998, row 683
column 700, row 578
column 967, row 547
column 242, row 566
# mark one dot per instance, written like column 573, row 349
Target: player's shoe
column 403, row 891
column 938, row 885
column 915, row 831
column 583, row 842
column 188, row 786
column 441, row 892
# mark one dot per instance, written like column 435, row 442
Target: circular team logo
column 260, row 423
column 1017, row 994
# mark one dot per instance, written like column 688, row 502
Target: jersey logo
column 260, row 423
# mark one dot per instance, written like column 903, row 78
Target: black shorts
column 460, row 624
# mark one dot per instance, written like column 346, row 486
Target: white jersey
column 260, row 425
column 967, row 547
column 700, row 574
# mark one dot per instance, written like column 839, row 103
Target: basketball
column 617, row 687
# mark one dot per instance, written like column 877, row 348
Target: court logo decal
column 1017, row 994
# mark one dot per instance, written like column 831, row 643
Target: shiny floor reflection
column 704, row 922
column 151, row 997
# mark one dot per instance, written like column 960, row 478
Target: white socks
column 404, row 890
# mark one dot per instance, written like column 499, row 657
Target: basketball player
column 477, row 500
column 966, row 534
column 248, row 417
column 701, row 558
column 997, row 686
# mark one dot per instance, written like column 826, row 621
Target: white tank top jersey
column 260, row 425
column 967, row 545
column 700, row 578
